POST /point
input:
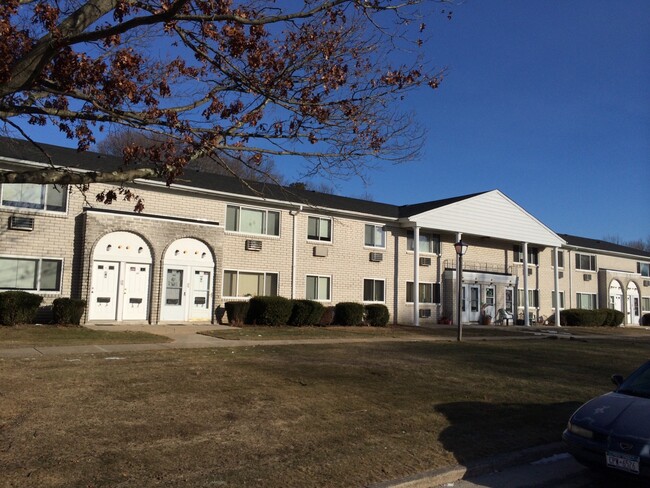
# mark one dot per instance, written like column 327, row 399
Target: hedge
column 236, row 312
column 18, row 307
column 645, row 319
column 68, row 311
column 348, row 313
column 591, row 318
column 269, row 311
column 377, row 315
column 328, row 316
column 306, row 312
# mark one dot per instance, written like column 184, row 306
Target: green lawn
column 335, row 415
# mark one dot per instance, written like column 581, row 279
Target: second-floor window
column 375, row 236
column 560, row 259
column 252, row 220
column 519, row 254
column 319, row 229
column 39, row 197
column 429, row 243
column 585, row 262
column 643, row 269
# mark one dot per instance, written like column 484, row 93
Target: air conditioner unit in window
column 21, row 223
column 530, row 271
column 252, row 245
column 586, row 277
column 376, row 257
column 425, row 262
column 320, row 251
column 425, row 313
column 560, row 274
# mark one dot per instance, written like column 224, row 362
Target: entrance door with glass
column 471, row 307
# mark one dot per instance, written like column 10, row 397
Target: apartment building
column 209, row 239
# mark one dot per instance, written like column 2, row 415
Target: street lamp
column 461, row 249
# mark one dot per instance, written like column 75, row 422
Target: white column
column 524, row 247
column 459, row 283
column 416, row 275
column 556, row 279
column 294, row 214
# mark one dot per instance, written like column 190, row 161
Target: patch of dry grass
column 290, row 416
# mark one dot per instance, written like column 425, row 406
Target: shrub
column 328, row 316
column 306, row 312
column 551, row 319
column 236, row 312
column 614, row 317
column 348, row 313
column 645, row 319
column 18, row 307
column 269, row 311
column 377, row 315
column 68, row 311
column 586, row 318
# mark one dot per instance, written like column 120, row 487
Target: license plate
column 624, row 462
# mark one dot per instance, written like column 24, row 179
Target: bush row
column 594, row 318
column 274, row 311
column 21, row 307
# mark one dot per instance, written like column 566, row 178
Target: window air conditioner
column 560, row 274
column 320, row 251
column 21, row 223
column 425, row 261
column 376, row 257
column 586, row 277
column 252, row 245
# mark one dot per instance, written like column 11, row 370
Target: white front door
column 633, row 312
column 200, row 301
column 135, row 292
column 103, row 291
column 471, row 307
column 175, row 293
column 490, row 302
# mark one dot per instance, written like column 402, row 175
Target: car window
column 638, row 384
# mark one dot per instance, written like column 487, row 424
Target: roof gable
column 489, row 214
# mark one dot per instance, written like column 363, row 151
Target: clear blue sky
column 545, row 100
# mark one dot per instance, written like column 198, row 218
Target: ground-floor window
column 318, row 288
column 428, row 292
column 645, row 304
column 586, row 301
column 373, row 290
column 30, row 274
column 533, row 298
column 561, row 299
column 249, row 284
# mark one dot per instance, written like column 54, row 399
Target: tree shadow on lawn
column 479, row 429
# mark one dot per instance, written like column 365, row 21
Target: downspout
column 524, row 246
column 416, row 275
column 294, row 251
column 556, row 278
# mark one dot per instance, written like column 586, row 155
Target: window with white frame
column 373, row 290
column 643, row 269
column 318, row 288
column 40, row 197
column 319, row 229
column 533, row 254
column 429, row 243
column 427, row 292
column 252, row 220
column 586, row 301
column 645, row 304
column 561, row 299
column 375, row 236
column 560, row 259
column 30, row 274
column 533, row 298
column 585, row 262
column 249, row 284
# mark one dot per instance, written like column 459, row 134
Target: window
column 318, row 288
column 429, row 243
column 560, row 259
column 561, row 299
column 519, row 254
column 585, row 262
column 508, row 300
column 31, row 274
column 533, row 298
column 645, row 304
column 41, row 197
column 248, row 284
column 319, row 229
column 428, row 292
column 252, row 220
column 375, row 236
column 643, row 269
column 586, row 301
column 373, row 290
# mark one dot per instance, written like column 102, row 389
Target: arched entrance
column 616, row 295
column 633, row 312
column 187, row 282
column 121, row 269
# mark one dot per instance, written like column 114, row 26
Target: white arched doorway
column 186, row 292
column 120, row 281
column 616, row 295
column 633, row 312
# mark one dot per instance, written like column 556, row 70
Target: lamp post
column 461, row 249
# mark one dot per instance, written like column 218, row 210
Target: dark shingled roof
column 586, row 243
